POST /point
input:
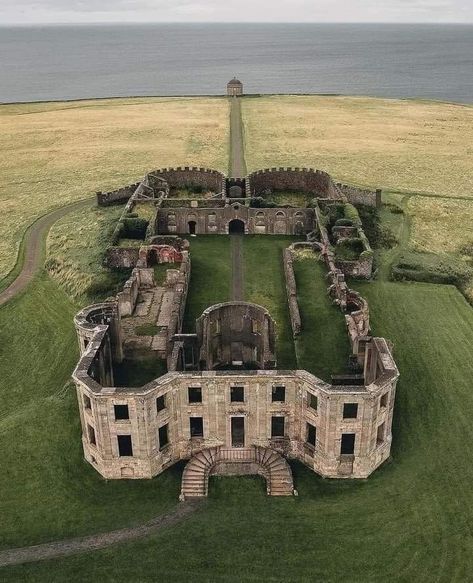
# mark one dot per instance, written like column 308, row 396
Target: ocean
column 75, row 62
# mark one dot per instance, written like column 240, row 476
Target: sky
column 87, row 11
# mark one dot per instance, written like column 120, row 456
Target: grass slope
column 54, row 153
column 411, row 521
column 48, row 491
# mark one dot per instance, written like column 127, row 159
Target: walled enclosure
column 224, row 375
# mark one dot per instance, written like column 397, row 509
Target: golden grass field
column 415, row 146
column 54, row 153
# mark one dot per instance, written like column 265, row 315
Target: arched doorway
column 192, row 227
column 236, row 227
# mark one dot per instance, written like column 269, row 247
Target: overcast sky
column 76, row 11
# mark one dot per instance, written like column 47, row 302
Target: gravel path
column 34, row 237
column 237, row 150
column 99, row 541
column 237, row 267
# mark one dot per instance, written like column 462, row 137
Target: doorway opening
column 236, row 227
column 192, row 227
column 238, row 431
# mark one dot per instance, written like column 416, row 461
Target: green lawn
column 323, row 347
column 264, row 285
column 47, row 490
column 210, row 275
column 411, row 521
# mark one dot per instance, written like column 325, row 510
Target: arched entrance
column 236, row 227
column 192, row 227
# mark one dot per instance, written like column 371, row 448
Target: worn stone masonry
column 223, row 400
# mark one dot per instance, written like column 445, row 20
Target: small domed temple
column 220, row 402
column 234, row 87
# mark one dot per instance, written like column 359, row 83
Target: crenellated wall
column 316, row 182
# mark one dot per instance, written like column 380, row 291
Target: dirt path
column 237, row 151
column 34, row 238
column 237, row 267
column 99, row 541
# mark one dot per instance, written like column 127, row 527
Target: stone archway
column 236, row 227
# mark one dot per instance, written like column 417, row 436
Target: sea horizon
column 73, row 61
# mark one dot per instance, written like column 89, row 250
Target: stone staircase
column 258, row 460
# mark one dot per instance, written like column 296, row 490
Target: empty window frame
column 312, row 401
column 160, row 403
column 125, row 445
column 121, row 412
column 87, row 402
column 350, row 410
column 163, row 436
column 195, row 394
column 196, row 425
column 237, row 394
column 311, row 434
column 277, row 426
column 347, row 445
column 278, row 394
column 380, row 434
column 91, row 434
column 383, row 402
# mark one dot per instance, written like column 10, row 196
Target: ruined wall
column 270, row 221
column 291, row 292
column 361, row 195
column 118, row 196
column 181, row 177
column 121, row 257
column 299, row 179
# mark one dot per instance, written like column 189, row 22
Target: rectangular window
column 312, row 401
column 311, row 431
column 163, row 435
column 384, row 400
column 195, row 394
column 121, row 412
column 160, row 403
column 87, row 402
column 125, row 446
column 348, row 443
column 350, row 410
column 278, row 394
column 91, row 434
column 237, row 394
column 277, row 426
column 380, row 434
column 196, row 426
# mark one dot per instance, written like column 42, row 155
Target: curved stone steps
column 276, row 470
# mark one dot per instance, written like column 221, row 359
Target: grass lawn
column 76, row 245
column 265, row 285
column 416, row 146
column 411, row 521
column 210, row 275
column 47, row 490
column 323, row 347
column 55, row 153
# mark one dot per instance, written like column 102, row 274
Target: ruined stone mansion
column 220, row 401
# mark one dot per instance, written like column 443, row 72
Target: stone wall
column 316, row 182
column 360, row 195
column 116, row 257
column 211, row 180
column 277, row 221
column 291, row 292
column 118, row 196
